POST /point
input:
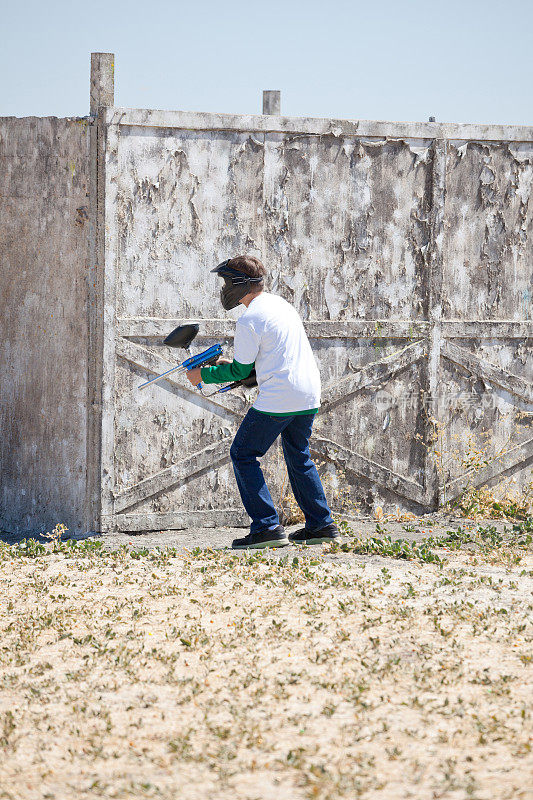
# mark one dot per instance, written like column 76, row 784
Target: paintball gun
column 181, row 337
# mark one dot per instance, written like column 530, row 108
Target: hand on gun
column 195, row 375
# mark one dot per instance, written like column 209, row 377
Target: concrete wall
column 44, row 220
column 336, row 221
column 406, row 248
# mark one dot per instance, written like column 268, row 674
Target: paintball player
column 270, row 336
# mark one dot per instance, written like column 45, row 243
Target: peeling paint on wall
column 344, row 225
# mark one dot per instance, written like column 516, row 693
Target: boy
column 270, row 335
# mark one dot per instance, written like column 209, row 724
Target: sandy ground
column 302, row 674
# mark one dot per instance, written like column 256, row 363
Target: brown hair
column 250, row 266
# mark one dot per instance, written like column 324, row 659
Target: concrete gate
column 350, row 218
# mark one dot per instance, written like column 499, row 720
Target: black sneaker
column 256, row 541
column 330, row 533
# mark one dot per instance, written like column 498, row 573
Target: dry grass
column 484, row 503
column 469, row 453
column 223, row 675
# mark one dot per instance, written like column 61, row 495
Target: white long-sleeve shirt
column 271, row 334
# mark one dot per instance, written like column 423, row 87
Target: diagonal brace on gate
column 519, row 456
column 488, row 372
column 347, row 459
column 214, row 454
column 378, row 372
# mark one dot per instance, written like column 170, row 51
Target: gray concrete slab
column 219, row 538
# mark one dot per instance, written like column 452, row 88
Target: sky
column 459, row 61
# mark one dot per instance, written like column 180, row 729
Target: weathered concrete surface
column 406, row 248
column 488, row 275
column 366, row 228
column 205, row 121
column 44, row 213
column 488, row 251
column 102, row 89
column 326, row 214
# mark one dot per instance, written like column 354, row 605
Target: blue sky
column 464, row 61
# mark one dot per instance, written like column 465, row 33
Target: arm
column 246, row 348
column 226, row 373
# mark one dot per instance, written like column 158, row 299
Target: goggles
column 237, row 278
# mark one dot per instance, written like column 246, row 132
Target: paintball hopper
column 182, row 336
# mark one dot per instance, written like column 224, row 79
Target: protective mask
column 236, row 285
column 230, row 295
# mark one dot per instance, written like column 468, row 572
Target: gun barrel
column 190, row 363
column 179, row 368
column 228, row 387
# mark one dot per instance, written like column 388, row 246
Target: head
column 243, row 280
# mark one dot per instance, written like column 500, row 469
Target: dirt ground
column 133, row 672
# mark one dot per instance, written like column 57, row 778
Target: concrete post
column 102, row 96
column 272, row 102
column 102, row 81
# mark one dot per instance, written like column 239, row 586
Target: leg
column 304, row 478
column 255, row 436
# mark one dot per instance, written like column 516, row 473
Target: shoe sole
column 317, row 540
column 262, row 545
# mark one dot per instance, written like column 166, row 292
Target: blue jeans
column 256, row 435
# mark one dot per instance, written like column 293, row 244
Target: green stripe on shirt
column 226, row 373
column 286, row 413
